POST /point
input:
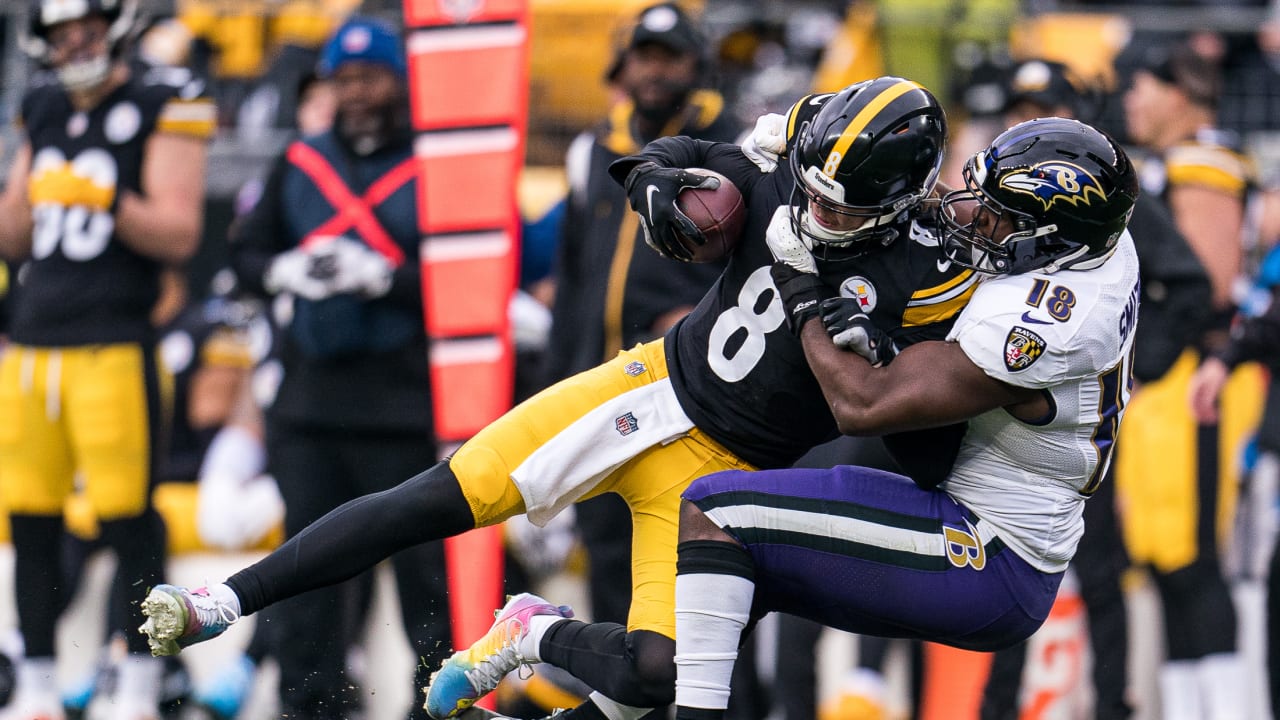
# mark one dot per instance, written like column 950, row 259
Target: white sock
column 615, row 710
column 38, row 675
column 1180, row 691
column 140, row 678
column 538, row 626
column 711, row 612
column 1223, row 689
column 223, row 593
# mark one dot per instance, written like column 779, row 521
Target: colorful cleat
column 178, row 617
column 470, row 674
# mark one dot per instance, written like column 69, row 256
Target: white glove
column 357, row 267
column 295, row 272
column 786, row 245
column 233, row 516
column 767, row 142
column 542, row 551
column 530, row 320
column 234, row 459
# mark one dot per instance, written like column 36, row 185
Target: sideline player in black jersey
column 728, row 387
column 106, row 189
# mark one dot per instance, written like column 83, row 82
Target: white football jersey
column 1069, row 334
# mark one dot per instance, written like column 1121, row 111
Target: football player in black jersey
column 106, row 189
column 728, row 387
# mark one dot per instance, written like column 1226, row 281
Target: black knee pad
column 653, row 657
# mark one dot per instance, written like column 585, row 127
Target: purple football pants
column 869, row 552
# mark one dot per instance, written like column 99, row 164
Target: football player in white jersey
column 1038, row 364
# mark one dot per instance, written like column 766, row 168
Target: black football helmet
column 1058, row 193
column 121, row 16
column 873, row 150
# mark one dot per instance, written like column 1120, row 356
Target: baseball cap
column 666, row 24
column 362, row 39
column 1043, row 82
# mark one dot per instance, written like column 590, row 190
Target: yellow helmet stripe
column 794, row 114
column 859, row 122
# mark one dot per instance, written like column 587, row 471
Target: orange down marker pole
column 469, row 79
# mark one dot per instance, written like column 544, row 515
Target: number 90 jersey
column 81, row 285
column 738, row 371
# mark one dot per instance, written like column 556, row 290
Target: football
column 720, row 214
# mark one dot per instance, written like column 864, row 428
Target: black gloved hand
column 652, row 191
column 851, row 329
column 801, row 294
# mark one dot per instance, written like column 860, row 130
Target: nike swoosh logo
column 648, row 198
column 819, row 99
column 1026, row 317
column 944, row 265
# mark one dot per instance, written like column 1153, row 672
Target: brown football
column 719, row 213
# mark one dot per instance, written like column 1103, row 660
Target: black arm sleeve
column 680, row 151
column 356, row 536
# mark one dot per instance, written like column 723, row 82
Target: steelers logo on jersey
column 122, row 123
column 1054, row 181
column 860, row 289
column 1022, row 348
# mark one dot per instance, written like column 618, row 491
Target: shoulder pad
column 1212, row 165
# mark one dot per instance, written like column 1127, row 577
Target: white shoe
column 34, row 706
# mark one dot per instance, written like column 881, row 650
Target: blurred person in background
column 1175, row 503
column 237, row 498
column 1174, row 285
column 334, row 238
column 611, row 292
column 1255, row 337
column 105, row 191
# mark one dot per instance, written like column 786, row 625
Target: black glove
column 652, row 191
column 801, row 294
column 851, row 329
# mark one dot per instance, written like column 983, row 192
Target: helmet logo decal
column 1022, row 348
column 860, row 289
column 1055, row 180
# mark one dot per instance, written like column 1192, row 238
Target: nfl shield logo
column 634, row 368
column 626, row 424
column 1022, row 348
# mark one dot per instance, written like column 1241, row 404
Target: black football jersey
column 81, row 285
column 739, row 372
